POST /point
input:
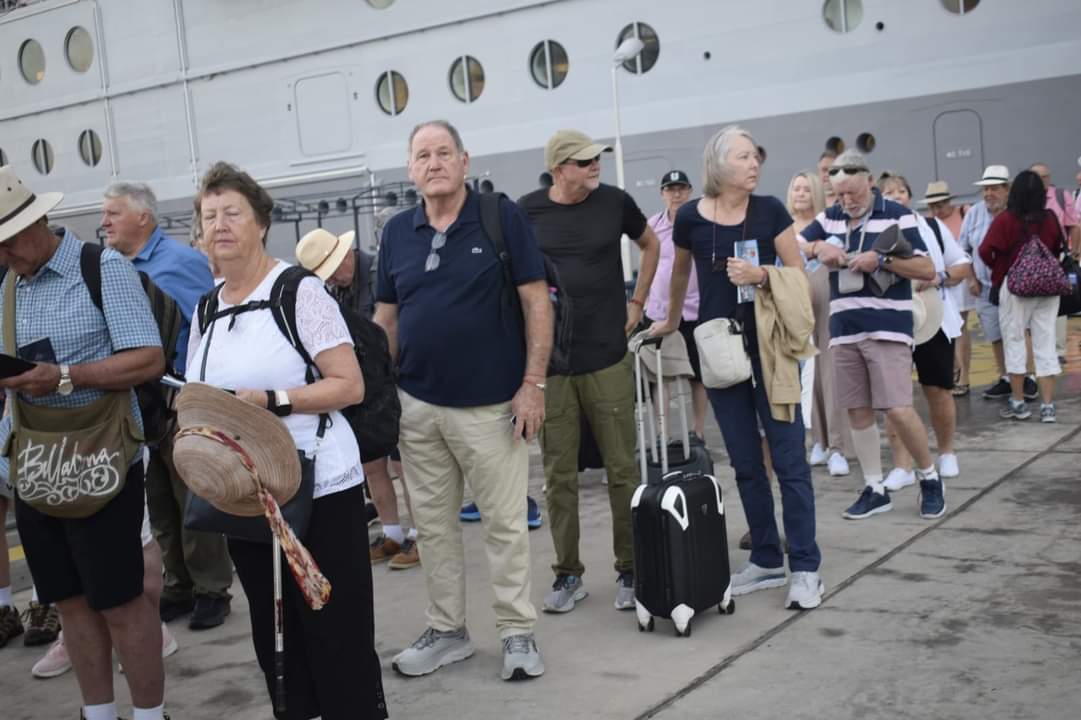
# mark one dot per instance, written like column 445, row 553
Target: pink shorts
column 873, row 374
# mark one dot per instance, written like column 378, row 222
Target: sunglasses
column 584, row 163
column 438, row 241
column 847, row 170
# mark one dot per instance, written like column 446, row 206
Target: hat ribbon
column 337, row 242
column 16, row 211
column 312, row 582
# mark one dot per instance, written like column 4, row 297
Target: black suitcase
column 680, row 537
column 700, row 461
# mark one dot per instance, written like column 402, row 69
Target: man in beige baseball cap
column 568, row 145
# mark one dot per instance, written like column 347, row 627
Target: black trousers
column 331, row 667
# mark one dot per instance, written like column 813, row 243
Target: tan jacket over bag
column 785, row 323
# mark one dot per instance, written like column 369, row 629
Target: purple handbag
column 1036, row 272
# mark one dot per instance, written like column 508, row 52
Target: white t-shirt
column 953, row 255
column 254, row 354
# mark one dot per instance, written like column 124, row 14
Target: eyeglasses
column 584, row 163
column 847, row 170
column 438, row 241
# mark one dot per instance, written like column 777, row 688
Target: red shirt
column 1006, row 237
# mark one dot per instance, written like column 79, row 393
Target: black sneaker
column 172, row 609
column 999, row 390
column 10, row 625
column 1031, row 389
column 42, row 624
column 209, row 612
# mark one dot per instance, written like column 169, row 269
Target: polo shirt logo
column 477, row 251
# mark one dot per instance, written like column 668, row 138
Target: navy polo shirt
column 459, row 343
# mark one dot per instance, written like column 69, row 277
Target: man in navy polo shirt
column 471, row 381
column 871, row 335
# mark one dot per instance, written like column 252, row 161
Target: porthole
column 835, row 145
column 645, row 60
column 392, row 92
column 42, row 154
column 32, row 61
column 3, row 158
column 548, row 64
column 842, row 16
column 865, row 143
column 466, row 78
column 380, row 4
column 79, row 48
column 960, row 7
column 90, row 147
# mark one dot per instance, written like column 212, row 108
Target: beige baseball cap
column 571, row 145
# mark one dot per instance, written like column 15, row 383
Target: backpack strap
column 90, row 265
column 933, row 222
column 493, row 228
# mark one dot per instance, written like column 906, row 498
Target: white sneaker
column 818, row 455
column 752, row 577
column 947, row 466
column 55, row 662
column 169, row 645
column 804, row 591
column 838, row 465
column 899, row 478
column 432, row 650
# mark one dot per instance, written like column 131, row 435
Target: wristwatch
column 886, row 260
column 64, row 387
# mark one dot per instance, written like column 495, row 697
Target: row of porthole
column 41, row 152
column 78, row 48
column 844, row 16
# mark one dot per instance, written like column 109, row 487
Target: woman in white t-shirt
column 331, row 667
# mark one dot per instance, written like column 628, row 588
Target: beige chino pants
column 442, row 448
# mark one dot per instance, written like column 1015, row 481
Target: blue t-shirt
column 459, row 343
column 766, row 219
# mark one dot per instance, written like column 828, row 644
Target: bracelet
column 637, row 302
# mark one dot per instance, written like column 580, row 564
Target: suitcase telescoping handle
column 640, row 409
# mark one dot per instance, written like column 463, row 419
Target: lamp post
column 627, row 49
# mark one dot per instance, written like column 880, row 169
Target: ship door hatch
column 958, row 140
column 322, row 113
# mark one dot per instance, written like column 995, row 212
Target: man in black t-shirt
column 579, row 225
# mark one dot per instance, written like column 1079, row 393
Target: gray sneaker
column 432, row 650
column 521, row 659
column 625, row 591
column 753, row 577
column 566, row 590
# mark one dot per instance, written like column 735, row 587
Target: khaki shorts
column 873, row 374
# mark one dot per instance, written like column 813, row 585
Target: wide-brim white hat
column 994, row 175
column 927, row 311
column 322, row 251
column 19, row 207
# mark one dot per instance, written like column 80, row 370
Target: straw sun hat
column 228, row 442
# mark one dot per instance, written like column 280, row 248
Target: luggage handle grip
column 651, row 340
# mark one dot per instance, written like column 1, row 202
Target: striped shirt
column 973, row 231
column 862, row 315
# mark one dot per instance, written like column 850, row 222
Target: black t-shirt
column 582, row 240
column 766, row 219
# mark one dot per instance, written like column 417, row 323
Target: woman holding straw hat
column 330, row 665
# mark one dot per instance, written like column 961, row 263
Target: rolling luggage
column 688, row 455
column 680, row 538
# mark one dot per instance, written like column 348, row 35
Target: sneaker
column 625, row 591
column 818, row 456
column 469, row 513
column 407, row 557
column 869, row 503
column 932, row 496
column 752, row 578
column 383, row 549
column 521, row 659
column 53, row 663
column 1031, row 389
column 899, row 478
column 804, row 591
column 999, row 390
column 209, row 612
column 10, row 624
column 947, row 466
column 169, row 645
column 566, row 590
column 532, row 514
column 1015, row 410
column 172, row 609
column 1047, row 413
column 432, row 650
column 838, row 465
column 42, row 624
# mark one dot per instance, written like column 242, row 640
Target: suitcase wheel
column 727, row 609
column 685, row 632
column 648, row 627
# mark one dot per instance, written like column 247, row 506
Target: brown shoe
column 745, row 542
column 42, row 624
column 408, row 557
column 383, row 549
column 10, row 625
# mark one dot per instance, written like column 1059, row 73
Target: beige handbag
column 722, row 353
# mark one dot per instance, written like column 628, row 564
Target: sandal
column 960, row 390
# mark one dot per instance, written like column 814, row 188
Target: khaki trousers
column 442, row 447
column 829, row 421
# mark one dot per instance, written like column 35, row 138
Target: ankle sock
column 868, row 448
column 157, row 713
column 929, row 473
column 5, row 597
column 34, row 594
column 412, row 533
column 394, row 532
column 101, row 712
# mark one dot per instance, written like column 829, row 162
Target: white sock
column 930, row 473
column 5, row 597
column 101, row 712
column 394, row 532
column 868, row 448
column 156, row 713
column 34, row 594
column 412, row 533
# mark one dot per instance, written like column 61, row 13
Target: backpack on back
column 1035, row 271
column 155, row 399
column 375, row 420
column 559, row 361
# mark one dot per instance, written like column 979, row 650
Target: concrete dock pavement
column 974, row 615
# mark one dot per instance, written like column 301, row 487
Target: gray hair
column 852, row 159
column 139, row 196
column 445, row 124
column 715, row 158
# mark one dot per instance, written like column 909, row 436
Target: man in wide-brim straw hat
column 83, row 547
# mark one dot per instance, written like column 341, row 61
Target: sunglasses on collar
column 847, row 170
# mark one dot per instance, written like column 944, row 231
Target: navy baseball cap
column 675, row 177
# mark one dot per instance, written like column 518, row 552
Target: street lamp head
column 627, row 49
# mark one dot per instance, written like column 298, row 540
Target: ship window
column 79, row 48
column 32, row 61
column 866, row 143
column 466, row 79
column 645, row 60
column 392, row 92
column 3, row 158
column 842, row 16
column 549, row 65
column 42, row 155
column 380, row 4
column 90, row 147
column 960, row 7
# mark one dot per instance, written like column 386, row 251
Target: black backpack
column 559, row 362
column 375, row 421
column 155, row 399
